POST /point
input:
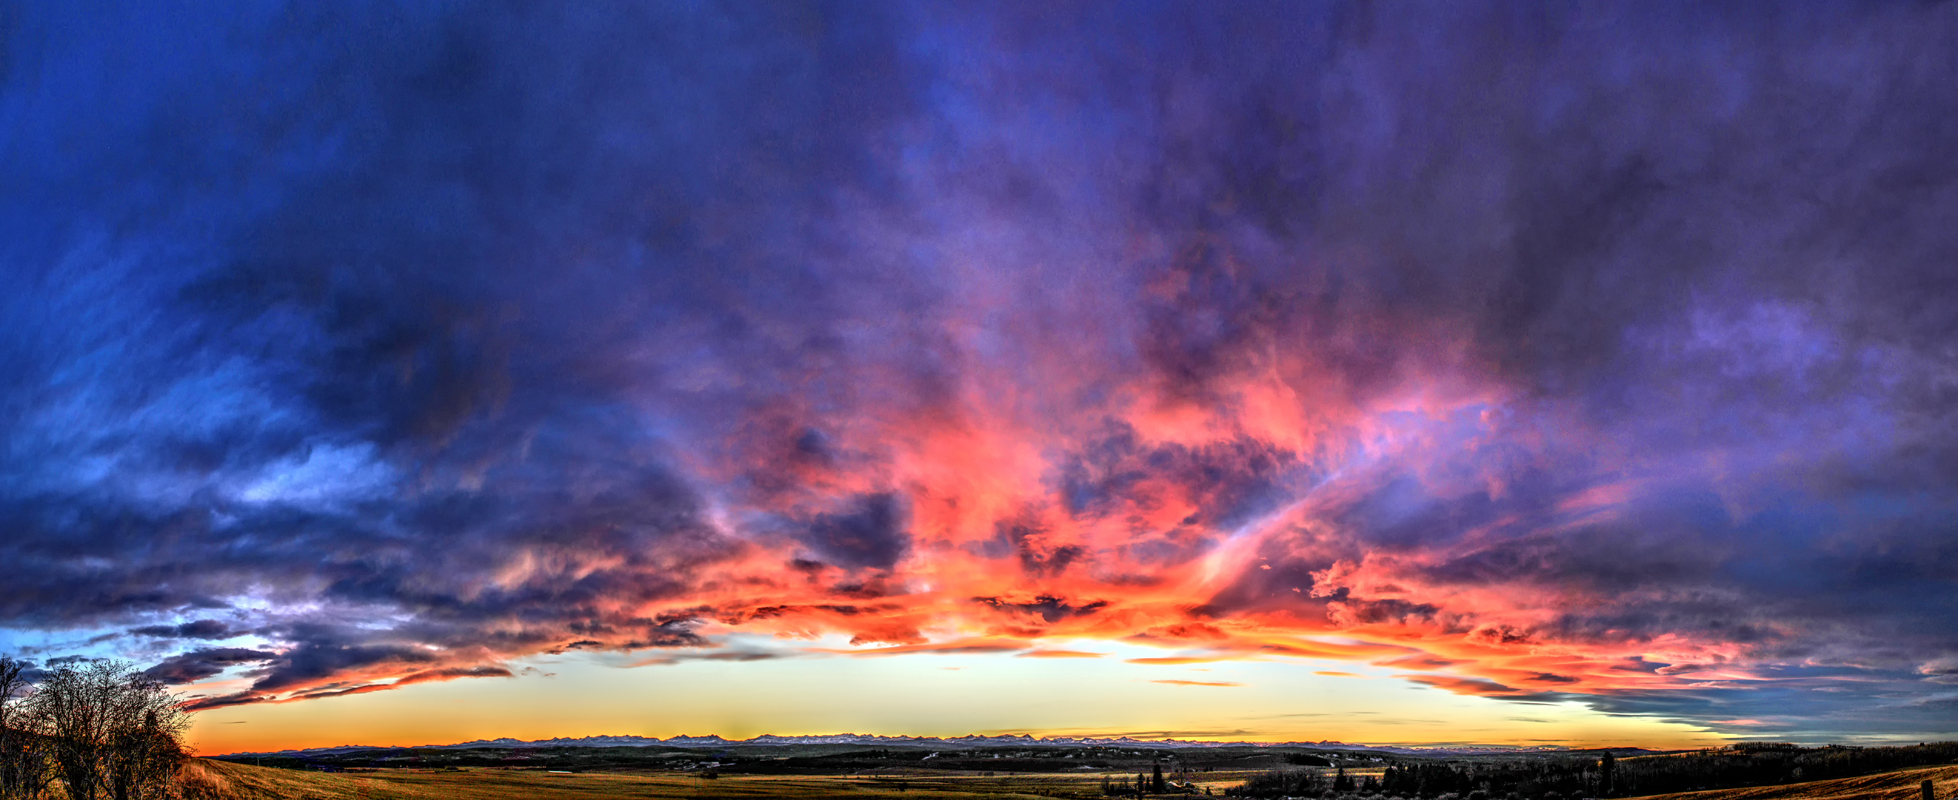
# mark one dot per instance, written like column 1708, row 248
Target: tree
column 145, row 755
column 113, row 732
column 1607, row 773
column 24, row 769
column 1156, row 783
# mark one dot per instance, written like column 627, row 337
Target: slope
column 1899, row 785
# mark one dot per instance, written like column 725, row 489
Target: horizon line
column 769, row 738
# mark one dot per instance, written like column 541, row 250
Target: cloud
column 222, row 701
column 1483, row 687
column 1417, row 662
column 1196, row 683
column 451, row 673
column 954, row 647
column 725, row 655
column 1173, row 660
column 1051, row 653
column 1471, row 686
column 869, row 535
column 1601, row 353
column 198, row 629
column 70, row 660
column 200, row 664
column 1048, row 608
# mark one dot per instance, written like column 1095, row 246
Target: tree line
column 100, row 729
column 1760, row 764
column 1156, row 783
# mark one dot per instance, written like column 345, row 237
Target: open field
column 218, row 780
column 1898, row 785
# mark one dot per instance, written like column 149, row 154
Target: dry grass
column 1899, row 785
column 218, row 780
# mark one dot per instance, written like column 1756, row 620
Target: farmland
column 1897, row 785
column 217, row 780
column 1745, row 771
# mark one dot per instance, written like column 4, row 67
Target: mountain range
column 957, row 742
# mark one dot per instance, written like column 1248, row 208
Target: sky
column 1513, row 373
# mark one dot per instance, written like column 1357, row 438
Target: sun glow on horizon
column 988, row 694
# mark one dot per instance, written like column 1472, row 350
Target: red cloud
column 1178, row 517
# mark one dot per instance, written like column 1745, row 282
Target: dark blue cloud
column 198, row 629
column 197, row 665
column 340, row 301
column 870, row 534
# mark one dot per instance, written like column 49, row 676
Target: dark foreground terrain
column 1756, row 770
column 216, row 780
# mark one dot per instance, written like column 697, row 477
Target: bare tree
column 147, row 747
column 72, row 707
column 113, row 732
column 24, row 771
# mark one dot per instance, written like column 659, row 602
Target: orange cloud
column 946, row 648
column 1171, row 660
column 1059, row 654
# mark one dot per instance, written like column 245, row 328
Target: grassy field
column 1899, row 785
column 217, row 780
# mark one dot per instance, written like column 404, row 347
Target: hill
column 1898, row 785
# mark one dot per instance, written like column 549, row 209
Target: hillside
column 1898, row 785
